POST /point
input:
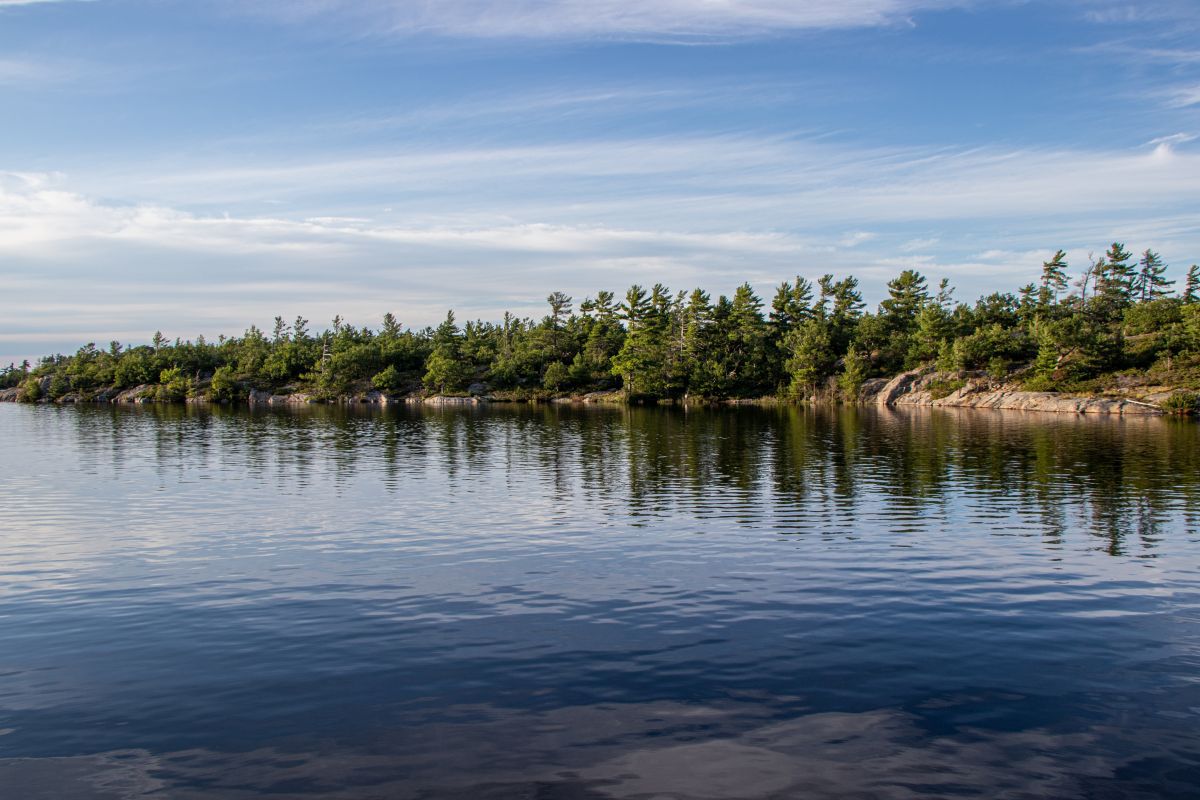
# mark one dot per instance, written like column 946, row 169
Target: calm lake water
column 597, row 603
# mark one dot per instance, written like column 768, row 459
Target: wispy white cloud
column 1183, row 96
column 31, row 72
column 702, row 183
column 5, row 3
column 679, row 20
column 1115, row 12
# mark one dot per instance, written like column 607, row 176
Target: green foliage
column 977, row 350
column 854, row 372
column 662, row 344
column 389, row 379
column 1191, row 289
column 1149, row 283
column 444, row 373
column 1182, row 403
column 173, row 386
column 31, row 390
column 557, row 376
column 906, row 295
column 1152, row 316
column 223, row 386
column 59, row 386
column 1190, row 327
column 445, row 370
column 940, row 388
column 810, row 356
column 1054, row 281
column 133, row 369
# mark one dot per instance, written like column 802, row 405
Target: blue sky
column 195, row 167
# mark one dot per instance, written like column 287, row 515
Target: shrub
column 1042, row 382
column 943, row 388
column 31, row 390
column 389, row 380
column 59, row 385
column 1184, row 403
column 556, row 376
column 173, row 387
column 223, row 384
column 1152, row 317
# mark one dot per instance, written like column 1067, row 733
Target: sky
column 195, row 167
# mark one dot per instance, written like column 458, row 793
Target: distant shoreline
column 908, row 389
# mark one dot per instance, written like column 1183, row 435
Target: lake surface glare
column 555, row 602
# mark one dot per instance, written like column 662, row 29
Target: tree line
column 1120, row 313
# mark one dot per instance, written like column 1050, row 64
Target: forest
column 1121, row 318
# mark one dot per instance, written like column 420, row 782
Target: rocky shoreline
column 917, row 388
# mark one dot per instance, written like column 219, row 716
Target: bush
column 1043, row 382
column 556, row 376
column 31, row 390
column 223, row 384
column 1184, row 403
column 943, row 388
column 389, row 380
column 173, row 387
column 1152, row 317
column 59, row 385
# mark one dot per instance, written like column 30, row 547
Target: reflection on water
column 556, row 602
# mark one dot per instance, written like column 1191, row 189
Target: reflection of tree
column 790, row 469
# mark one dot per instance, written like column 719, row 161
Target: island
column 1122, row 337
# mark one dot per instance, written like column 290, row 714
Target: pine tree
column 906, row 295
column 1027, row 303
column 746, row 362
column 792, row 305
column 1115, row 276
column 842, row 303
column 934, row 327
column 810, row 356
column 1150, row 283
column 391, row 326
column 642, row 356
column 1054, row 280
column 854, row 372
column 445, row 369
column 1191, row 289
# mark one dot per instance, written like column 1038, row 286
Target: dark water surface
column 597, row 603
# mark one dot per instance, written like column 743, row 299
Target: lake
column 556, row 602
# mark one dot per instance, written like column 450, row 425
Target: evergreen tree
column 1114, row 279
column 810, row 356
column 641, row 358
column 1027, row 303
column 1191, row 289
column 445, row 369
column 793, row 304
column 842, row 304
column 1150, row 282
column 906, row 295
column 391, row 326
column 745, row 364
column 1054, row 280
column 934, row 328
column 854, row 372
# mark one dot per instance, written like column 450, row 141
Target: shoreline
column 908, row 389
